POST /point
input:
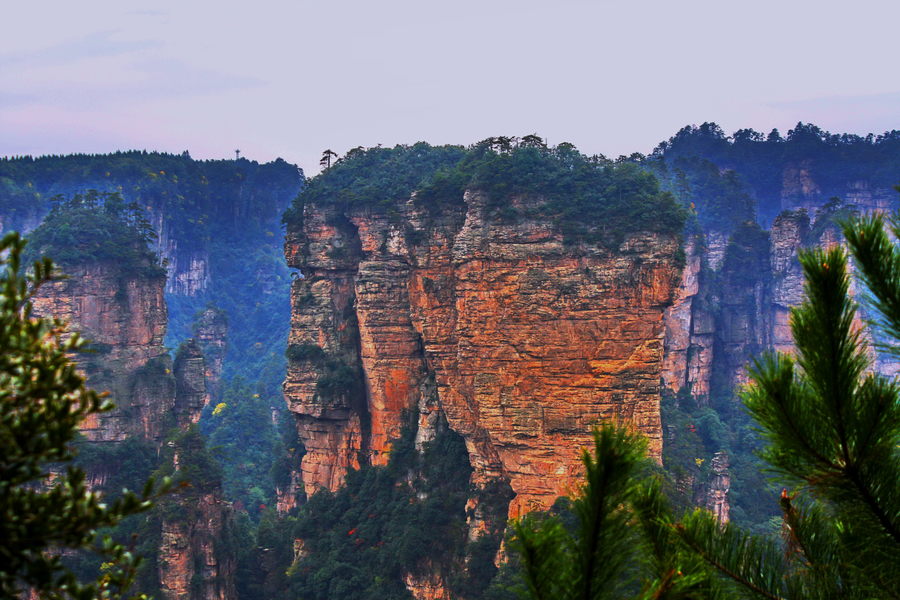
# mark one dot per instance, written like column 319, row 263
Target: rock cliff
column 724, row 317
column 196, row 559
column 522, row 341
column 122, row 312
column 211, row 332
column 734, row 300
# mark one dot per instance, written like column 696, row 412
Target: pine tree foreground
column 42, row 401
column 833, row 433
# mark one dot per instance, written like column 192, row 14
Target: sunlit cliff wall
column 522, row 341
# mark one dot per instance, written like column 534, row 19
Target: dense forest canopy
column 225, row 213
column 228, row 210
column 833, row 160
column 96, row 226
column 177, row 184
column 588, row 197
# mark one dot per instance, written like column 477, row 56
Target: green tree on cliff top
column 93, row 226
column 833, row 429
column 45, row 506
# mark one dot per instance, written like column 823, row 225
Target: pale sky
column 291, row 78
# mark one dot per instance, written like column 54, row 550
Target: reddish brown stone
column 529, row 342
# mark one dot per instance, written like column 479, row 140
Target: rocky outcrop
column 196, row 559
column 802, row 190
column 521, row 341
column 799, row 188
column 427, row 586
column 190, row 384
column 715, row 496
column 211, row 332
column 789, row 233
column 689, row 329
column 187, row 268
column 192, row 565
column 123, row 314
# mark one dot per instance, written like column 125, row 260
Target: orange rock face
column 523, row 342
column 123, row 315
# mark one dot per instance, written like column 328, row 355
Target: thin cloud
column 149, row 79
column 12, row 99
column 95, row 45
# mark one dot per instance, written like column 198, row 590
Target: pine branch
column 678, row 574
column 749, row 561
column 542, row 546
column 604, row 541
column 879, row 265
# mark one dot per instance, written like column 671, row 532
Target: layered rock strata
column 123, row 315
column 523, row 342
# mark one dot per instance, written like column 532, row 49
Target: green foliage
column 96, row 226
column 406, row 517
column 761, row 162
column 833, row 426
column 43, row 400
column 719, row 200
column 746, row 255
column 375, row 178
column 589, row 198
column 115, row 467
column 125, row 465
column 338, row 378
column 300, row 352
column 197, row 473
column 197, row 197
column 243, row 439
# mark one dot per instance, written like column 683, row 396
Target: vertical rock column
column 788, row 235
column 323, row 386
column 190, row 384
column 211, row 333
column 195, row 560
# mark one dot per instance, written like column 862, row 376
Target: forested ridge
column 225, row 213
column 367, row 538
